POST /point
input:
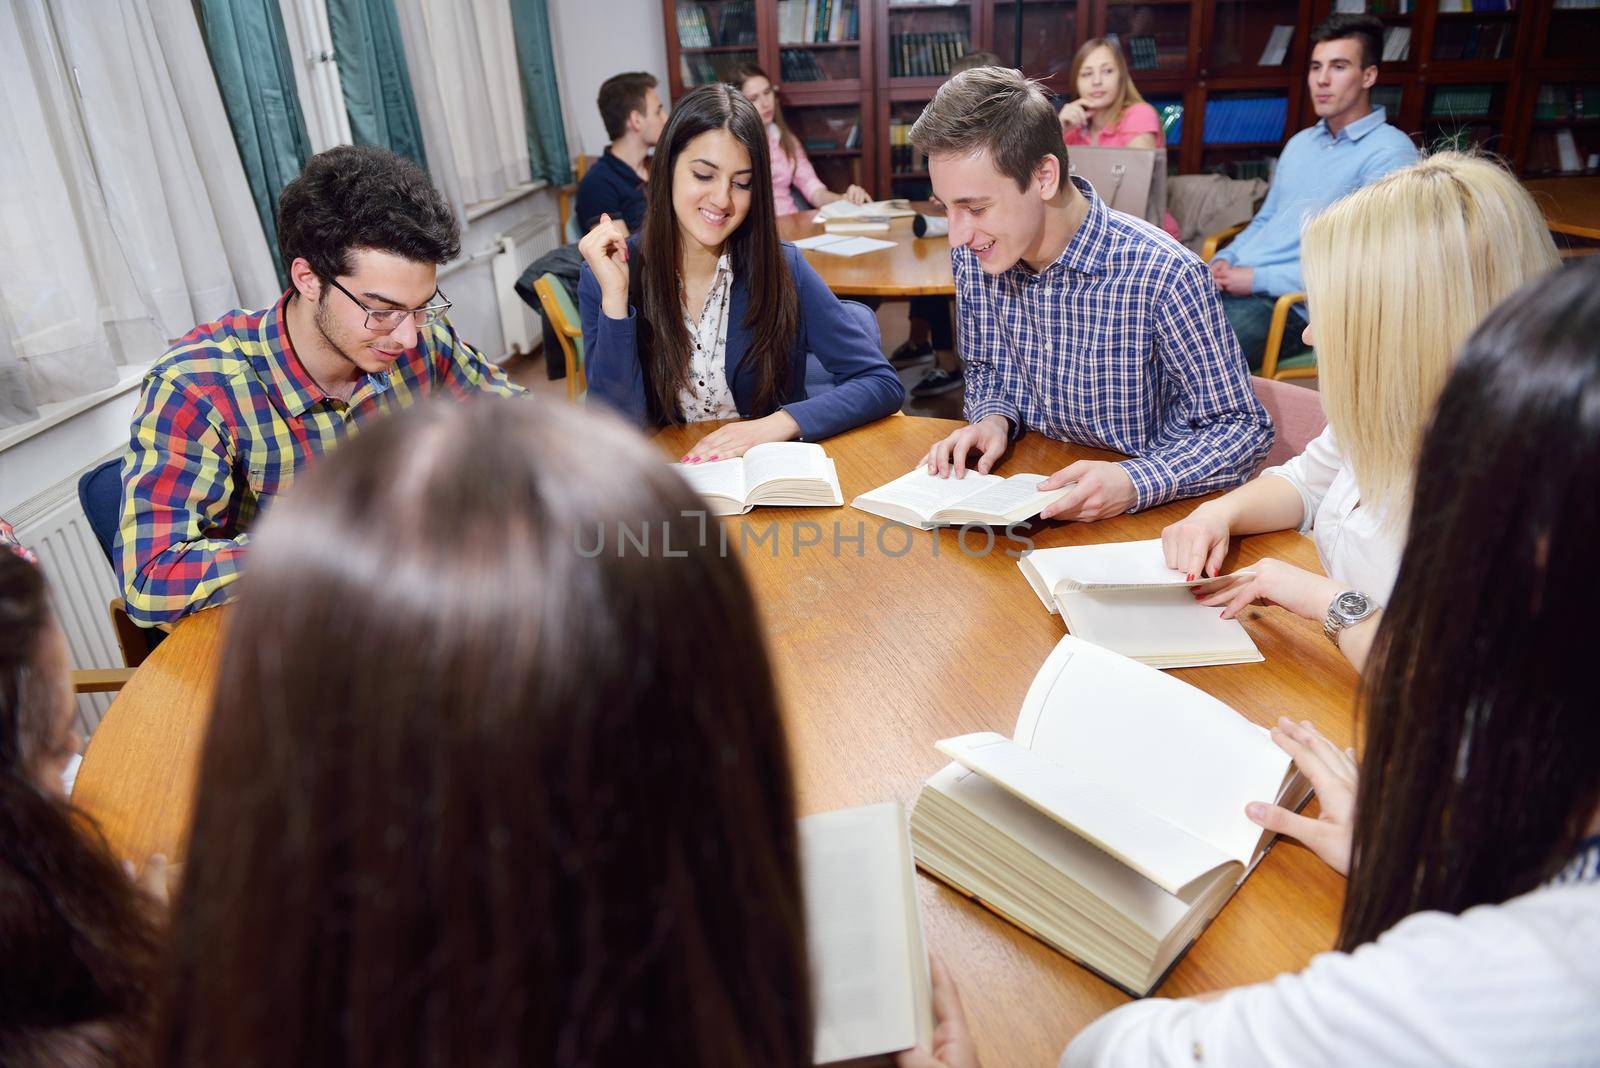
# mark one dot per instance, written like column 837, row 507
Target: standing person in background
column 1351, row 144
column 790, row 168
column 614, row 184
column 79, row 941
column 1109, row 111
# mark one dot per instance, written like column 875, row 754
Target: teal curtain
column 372, row 72
column 547, row 137
column 255, row 72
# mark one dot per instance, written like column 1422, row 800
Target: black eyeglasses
column 384, row 320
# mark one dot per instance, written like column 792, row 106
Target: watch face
column 1352, row 604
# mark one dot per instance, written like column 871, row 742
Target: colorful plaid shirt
column 1121, row 344
column 226, row 419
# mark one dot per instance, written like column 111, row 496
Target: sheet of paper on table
column 840, row 245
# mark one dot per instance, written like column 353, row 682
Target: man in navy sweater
column 614, row 185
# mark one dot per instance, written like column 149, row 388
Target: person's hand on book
column 1103, row 490
column 952, row 1040
column 1074, row 115
column 856, row 195
column 1333, row 773
column 1271, row 582
column 1196, row 544
column 605, row 250
column 989, row 436
column 735, row 439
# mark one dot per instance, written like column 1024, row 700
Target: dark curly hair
column 360, row 196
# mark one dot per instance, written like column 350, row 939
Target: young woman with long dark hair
column 472, row 794
column 791, row 168
column 1471, row 926
column 78, row 939
column 706, row 314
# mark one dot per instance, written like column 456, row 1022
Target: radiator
column 81, row 582
column 518, row 247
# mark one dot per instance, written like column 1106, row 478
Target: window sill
column 52, row 415
column 511, row 196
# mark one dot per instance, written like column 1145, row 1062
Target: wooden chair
column 566, row 197
column 1303, row 365
column 569, row 331
column 100, row 680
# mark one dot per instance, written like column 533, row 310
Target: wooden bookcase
column 1523, row 83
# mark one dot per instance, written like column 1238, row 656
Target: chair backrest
column 1297, row 414
column 1132, row 180
column 569, row 330
column 100, row 494
column 818, row 380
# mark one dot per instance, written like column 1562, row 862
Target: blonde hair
column 1397, row 274
column 1127, row 93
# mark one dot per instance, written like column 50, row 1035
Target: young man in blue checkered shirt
column 1075, row 320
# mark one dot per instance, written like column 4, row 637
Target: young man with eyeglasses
column 234, row 409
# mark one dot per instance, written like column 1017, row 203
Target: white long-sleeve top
column 1515, row 984
column 1356, row 545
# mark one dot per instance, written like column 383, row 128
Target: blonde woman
column 1109, row 111
column 1397, row 274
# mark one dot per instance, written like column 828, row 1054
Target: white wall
column 595, row 39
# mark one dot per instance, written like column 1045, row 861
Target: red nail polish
column 1191, row 577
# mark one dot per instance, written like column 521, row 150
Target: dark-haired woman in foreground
column 78, row 940
column 706, row 314
column 472, row 794
column 1471, row 927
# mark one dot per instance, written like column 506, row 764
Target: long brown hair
column 1128, row 94
column 480, row 785
column 743, row 73
column 773, row 313
column 78, row 941
column 1481, row 766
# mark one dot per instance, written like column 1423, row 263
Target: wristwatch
column 1346, row 610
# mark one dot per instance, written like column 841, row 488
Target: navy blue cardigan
column 866, row 386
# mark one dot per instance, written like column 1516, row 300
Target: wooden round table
column 915, row 267
column 878, row 656
column 1571, row 205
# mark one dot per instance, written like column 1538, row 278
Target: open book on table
column 796, row 473
column 873, row 209
column 864, row 935
column 1111, row 824
column 1123, row 596
column 927, row 501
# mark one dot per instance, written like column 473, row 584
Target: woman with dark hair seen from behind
column 707, row 315
column 78, row 940
column 1470, row 831
column 474, row 796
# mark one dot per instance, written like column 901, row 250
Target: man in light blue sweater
column 1350, row 145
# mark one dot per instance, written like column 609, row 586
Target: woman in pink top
column 1109, row 111
column 790, row 167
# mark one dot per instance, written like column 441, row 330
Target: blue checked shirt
column 1120, row 344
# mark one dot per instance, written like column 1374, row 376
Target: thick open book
column 1111, row 824
column 928, row 501
column 1124, row 597
column 796, row 473
column 864, row 935
column 873, row 209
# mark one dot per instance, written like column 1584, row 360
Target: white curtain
column 462, row 57
column 126, row 218
column 316, row 74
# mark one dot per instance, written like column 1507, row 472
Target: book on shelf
column 1576, row 5
column 1567, row 151
column 1142, row 54
column 693, row 30
column 1111, row 824
column 926, row 501
column 1122, row 596
column 869, row 962
column 1277, row 47
column 798, row 65
column 1245, row 120
column 1396, row 44
column 793, row 473
column 737, row 25
column 916, row 55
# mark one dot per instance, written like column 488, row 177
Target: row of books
column 1567, row 102
column 1374, row 7
column 1473, row 40
column 818, row 21
column 1245, row 120
column 925, row 54
column 1396, row 44
column 1577, row 5
column 1451, row 7
column 736, row 26
column 831, row 141
column 1449, row 101
column 799, row 65
column 703, row 69
column 903, row 155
